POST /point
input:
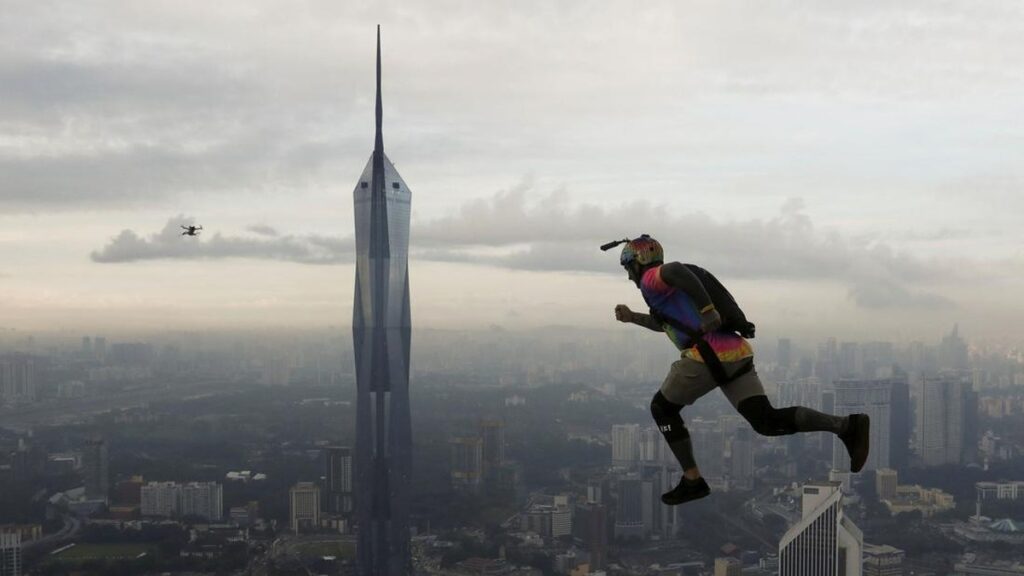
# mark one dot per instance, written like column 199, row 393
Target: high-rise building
column 886, row 483
column 625, row 444
column 160, row 499
column 467, row 466
column 87, row 346
column 100, row 347
column 492, row 432
column 591, row 528
column 629, row 511
column 900, row 422
column 381, row 326
column 784, row 354
column 337, row 479
column 708, row 447
column 204, row 499
column 871, row 397
column 10, row 554
column 824, row 542
column 17, row 378
column 741, row 459
column 943, row 421
column 304, row 506
column 728, row 567
column 883, row 560
column 95, row 465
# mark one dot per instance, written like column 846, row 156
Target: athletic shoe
column 685, row 491
column 857, row 439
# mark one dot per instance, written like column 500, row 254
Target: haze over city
column 846, row 168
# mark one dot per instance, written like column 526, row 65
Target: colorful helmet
column 643, row 250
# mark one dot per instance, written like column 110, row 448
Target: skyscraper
column 337, row 479
column 95, row 466
column 824, row 542
column 943, row 419
column 493, row 434
column 10, row 554
column 625, row 444
column 381, row 328
column 871, row 397
column 304, row 506
column 467, row 462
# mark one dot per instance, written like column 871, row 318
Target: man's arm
column 647, row 321
column 624, row 314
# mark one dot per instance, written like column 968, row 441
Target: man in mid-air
column 190, row 230
column 682, row 308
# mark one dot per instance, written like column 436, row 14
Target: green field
column 103, row 552
column 339, row 549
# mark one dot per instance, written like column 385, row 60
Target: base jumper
column 713, row 354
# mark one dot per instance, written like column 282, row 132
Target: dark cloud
column 885, row 294
column 262, row 230
column 170, row 244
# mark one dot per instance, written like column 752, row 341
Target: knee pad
column 666, row 416
column 765, row 419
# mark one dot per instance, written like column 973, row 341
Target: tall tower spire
column 381, row 330
column 378, row 145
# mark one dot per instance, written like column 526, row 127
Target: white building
column 625, row 444
column 871, row 397
column 204, row 499
column 304, row 506
column 10, row 554
column 823, row 542
column 161, row 499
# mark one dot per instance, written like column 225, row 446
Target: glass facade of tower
column 381, row 337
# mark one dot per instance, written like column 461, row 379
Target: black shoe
column 857, row 439
column 685, row 491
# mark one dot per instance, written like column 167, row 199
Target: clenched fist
column 623, row 313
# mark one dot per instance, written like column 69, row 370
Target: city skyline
column 870, row 181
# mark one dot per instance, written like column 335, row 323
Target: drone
column 191, row 230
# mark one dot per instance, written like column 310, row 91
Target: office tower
column 823, row 542
column 900, row 421
column 871, row 397
column 337, row 479
column 886, row 482
column 883, row 560
column 10, row 554
column 784, row 354
column 17, row 377
column 304, row 506
column 95, row 466
column 708, row 447
column 828, row 406
column 467, row 466
column 591, row 528
column 629, row 514
column 741, row 459
column 87, row 346
column 943, row 420
column 728, row 567
column 625, row 444
column 953, row 352
column 850, row 360
column 493, row 434
column 381, row 325
column 100, row 347
column 203, row 499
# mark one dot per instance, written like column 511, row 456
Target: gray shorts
column 689, row 379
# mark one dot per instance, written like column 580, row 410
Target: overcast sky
column 846, row 168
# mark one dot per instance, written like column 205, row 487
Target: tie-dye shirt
column 677, row 304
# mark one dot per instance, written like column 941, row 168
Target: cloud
column 884, row 294
column 169, row 244
column 262, row 230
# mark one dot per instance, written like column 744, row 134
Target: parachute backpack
column 646, row 250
